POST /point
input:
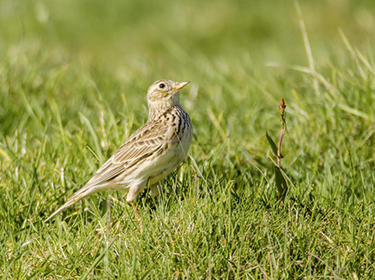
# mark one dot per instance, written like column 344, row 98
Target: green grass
column 73, row 76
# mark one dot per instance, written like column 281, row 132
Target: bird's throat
column 155, row 109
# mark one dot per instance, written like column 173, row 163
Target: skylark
column 150, row 153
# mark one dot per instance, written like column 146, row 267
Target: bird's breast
column 177, row 149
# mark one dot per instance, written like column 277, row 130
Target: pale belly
column 170, row 160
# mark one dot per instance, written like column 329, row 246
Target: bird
column 149, row 154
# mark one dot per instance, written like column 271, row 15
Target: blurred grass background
column 267, row 31
column 73, row 77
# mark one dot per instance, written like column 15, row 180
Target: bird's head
column 163, row 94
column 165, row 91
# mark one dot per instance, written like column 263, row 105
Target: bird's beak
column 179, row 86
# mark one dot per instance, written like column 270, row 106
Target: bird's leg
column 137, row 214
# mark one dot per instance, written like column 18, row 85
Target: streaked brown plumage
column 150, row 153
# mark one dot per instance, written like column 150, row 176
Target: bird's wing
column 142, row 144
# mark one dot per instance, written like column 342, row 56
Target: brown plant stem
column 282, row 107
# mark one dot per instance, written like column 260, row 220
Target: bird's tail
column 83, row 192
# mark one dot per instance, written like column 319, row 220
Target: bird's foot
column 137, row 215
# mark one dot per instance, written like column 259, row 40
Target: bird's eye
column 161, row 85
